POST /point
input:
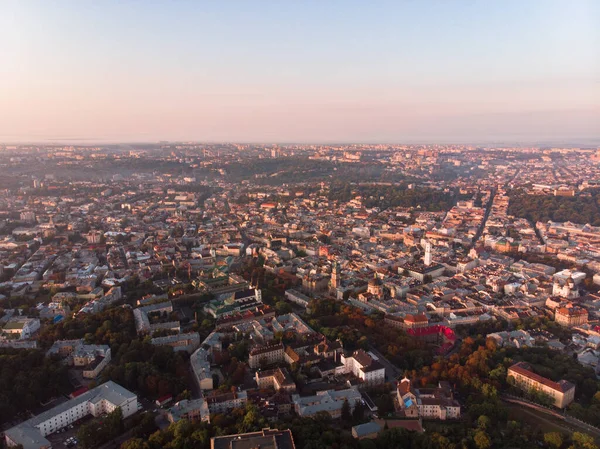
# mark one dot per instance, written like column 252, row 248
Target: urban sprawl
column 299, row 296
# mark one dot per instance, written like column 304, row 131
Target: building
column 365, row 367
column 427, row 403
column 225, row 402
column 420, row 271
column 92, row 359
column 561, row 392
column 201, row 363
column 297, row 298
column 367, row 430
column 192, row 410
column 143, row 314
column 375, row 287
column 21, row 328
column 265, row 439
column 330, row 401
column 409, row 321
column 104, row 398
column 232, row 303
column 335, row 281
column 278, row 379
column 571, row 316
column 179, row 342
column 267, row 355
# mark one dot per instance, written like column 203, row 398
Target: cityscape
column 214, row 295
column 312, row 224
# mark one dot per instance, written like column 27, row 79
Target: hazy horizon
column 316, row 72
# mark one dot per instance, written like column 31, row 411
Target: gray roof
column 366, row 429
column 30, row 437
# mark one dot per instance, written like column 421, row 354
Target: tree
column 483, row 422
column 482, row 440
column 346, row 413
column 358, row 414
column 135, row 443
column 582, row 441
column 553, row 439
column 385, row 404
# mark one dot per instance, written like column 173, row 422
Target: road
column 488, row 209
column 391, row 371
column 566, row 421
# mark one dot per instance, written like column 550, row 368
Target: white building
column 104, row 398
column 330, row 401
column 200, row 360
column 365, row 367
column 22, row 328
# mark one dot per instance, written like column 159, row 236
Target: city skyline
column 431, row 72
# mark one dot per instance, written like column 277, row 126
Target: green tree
column 482, row 440
column 358, row 413
column 135, row 443
column 583, row 441
column 346, row 413
column 553, row 439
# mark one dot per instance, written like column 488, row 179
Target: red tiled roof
column 524, row 369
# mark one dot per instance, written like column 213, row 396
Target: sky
column 446, row 71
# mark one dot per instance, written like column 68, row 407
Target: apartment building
column 365, row 367
column 268, row 355
column 103, row 399
column 562, row 392
column 330, row 401
column 278, row 379
column 193, row 410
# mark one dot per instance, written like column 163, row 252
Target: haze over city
column 340, row 71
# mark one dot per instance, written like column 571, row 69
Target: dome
column 375, row 282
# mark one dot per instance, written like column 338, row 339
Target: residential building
column 365, row 367
column 330, row 401
column 278, row 379
column 265, row 439
column 193, row 410
column 561, row 392
column 266, row 355
column 103, row 399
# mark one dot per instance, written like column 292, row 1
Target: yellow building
column 562, row 392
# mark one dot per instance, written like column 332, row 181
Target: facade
column 409, row 321
column 335, row 281
column 225, row 402
column 180, row 342
column 562, row 392
column 365, row 367
column 278, row 379
column 21, row 328
column 193, row 410
column 200, row 360
column 571, row 316
column 427, row 403
column 330, row 401
column 92, row 358
column 297, row 298
column 103, row 399
column 269, row 355
column 142, row 320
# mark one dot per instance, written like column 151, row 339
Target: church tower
column 427, row 258
column 335, row 276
